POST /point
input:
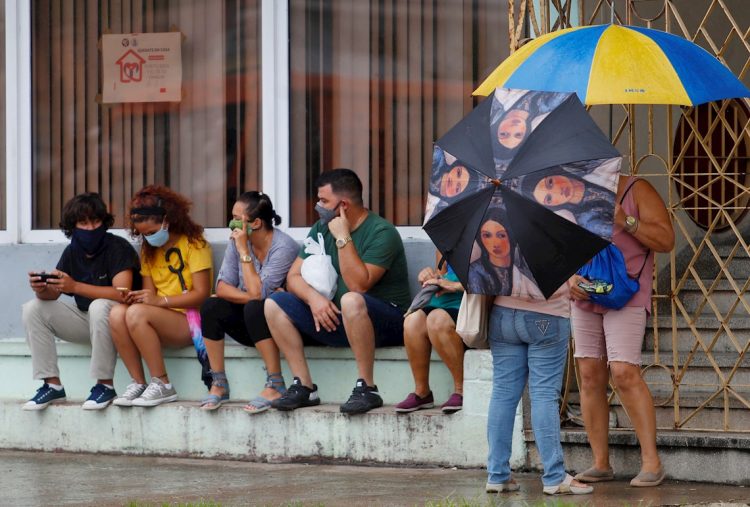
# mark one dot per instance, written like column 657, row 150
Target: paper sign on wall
column 142, row 67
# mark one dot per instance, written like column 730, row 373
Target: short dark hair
column 88, row 206
column 258, row 205
column 343, row 182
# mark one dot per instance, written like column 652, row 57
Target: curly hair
column 164, row 203
column 81, row 207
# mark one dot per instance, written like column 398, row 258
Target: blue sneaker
column 100, row 397
column 43, row 397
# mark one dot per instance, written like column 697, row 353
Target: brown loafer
column 649, row 479
column 596, row 475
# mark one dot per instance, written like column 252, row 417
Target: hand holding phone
column 596, row 287
column 44, row 277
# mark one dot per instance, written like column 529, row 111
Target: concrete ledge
column 319, row 433
column 333, row 369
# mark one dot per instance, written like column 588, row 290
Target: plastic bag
column 317, row 269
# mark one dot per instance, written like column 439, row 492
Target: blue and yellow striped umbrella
column 612, row 64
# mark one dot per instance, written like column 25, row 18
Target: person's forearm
column 96, row 291
column 299, row 287
column 353, row 270
column 253, row 283
column 655, row 236
column 190, row 299
column 232, row 294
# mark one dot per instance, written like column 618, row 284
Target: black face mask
column 89, row 242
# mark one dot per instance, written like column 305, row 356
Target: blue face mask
column 159, row 238
column 325, row 214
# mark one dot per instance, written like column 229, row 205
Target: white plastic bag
column 317, row 269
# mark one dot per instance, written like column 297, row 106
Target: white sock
column 168, row 386
column 108, row 386
column 56, row 387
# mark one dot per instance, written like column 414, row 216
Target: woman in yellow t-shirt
column 155, row 316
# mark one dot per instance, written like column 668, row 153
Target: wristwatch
column 341, row 242
column 631, row 224
column 246, row 258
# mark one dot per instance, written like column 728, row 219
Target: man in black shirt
column 97, row 269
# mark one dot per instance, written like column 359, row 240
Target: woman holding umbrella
column 529, row 342
column 608, row 342
column 156, row 316
column 255, row 265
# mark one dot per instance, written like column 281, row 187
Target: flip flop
column 649, row 479
column 596, row 475
column 257, row 405
column 213, row 401
column 566, row 487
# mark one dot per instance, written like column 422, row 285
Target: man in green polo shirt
column 367, row 309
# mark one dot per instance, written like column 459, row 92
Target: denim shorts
column 387, row 320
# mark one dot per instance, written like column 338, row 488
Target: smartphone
column 43, row 277
column 124, row 290
column 596, row 287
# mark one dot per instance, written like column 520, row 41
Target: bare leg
column 360, row 333
column 637, row 400
column 215, row 351
column 418, row 350
column 126, row 348
column 272, row 359
column 448, row 344
column 289, row 341
column 594, row 381
column 151, row 327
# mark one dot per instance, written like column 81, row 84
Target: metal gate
column 695, row 357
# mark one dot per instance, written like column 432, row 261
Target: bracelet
column 166, row 301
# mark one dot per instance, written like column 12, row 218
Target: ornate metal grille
column 695, row 355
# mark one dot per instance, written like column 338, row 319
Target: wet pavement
column 52, row 479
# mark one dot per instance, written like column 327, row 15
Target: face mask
column 159, row 238
column 237, row 224
column 90, row 241
column 325, row 214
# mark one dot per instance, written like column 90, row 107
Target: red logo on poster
column 131, row 67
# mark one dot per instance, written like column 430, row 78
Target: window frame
column 274, row 124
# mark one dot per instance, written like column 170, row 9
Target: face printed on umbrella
column 557, row 190
column 512, row 129
column 496, row 242
column 454, row 181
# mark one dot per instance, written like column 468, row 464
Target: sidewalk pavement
column 45, row 479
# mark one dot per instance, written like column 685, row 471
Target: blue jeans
column 526, row 345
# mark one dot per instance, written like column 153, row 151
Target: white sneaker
column 155, row 394
column 133, row 391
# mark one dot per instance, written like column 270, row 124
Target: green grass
column 499, row 502
column 199, row 503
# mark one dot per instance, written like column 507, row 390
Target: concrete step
column 709, row 267
column 333, row 370
column 690, row 456
column 703, row 414
column 683, row 337
column 700, row 374
column 723, row 296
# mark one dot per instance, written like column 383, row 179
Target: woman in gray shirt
column 255, row 264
